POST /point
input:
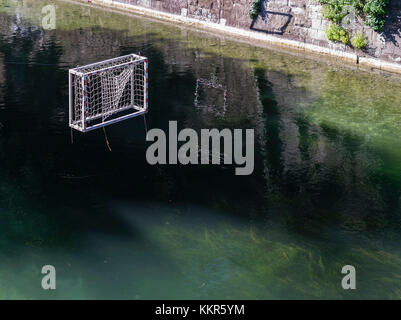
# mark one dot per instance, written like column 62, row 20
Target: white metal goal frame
column 107, row 92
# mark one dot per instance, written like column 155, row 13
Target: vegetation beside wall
column 373, row 13
column 337, row 33
column 256, row 7
column 359, row 40
column 376, row 11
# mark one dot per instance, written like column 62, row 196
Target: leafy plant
column 376, row 23
column 358, row 5
column 256, row 7
column 376, row 11
column 359, row 40
column 373, row 11
column 337, row 33
column 376, row 7
column 334, row 10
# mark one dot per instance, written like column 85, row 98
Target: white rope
column 112, row 91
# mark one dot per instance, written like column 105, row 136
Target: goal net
column 107, row 92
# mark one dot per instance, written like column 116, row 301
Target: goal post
column 108, row 92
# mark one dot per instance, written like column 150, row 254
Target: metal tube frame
column 135, row 59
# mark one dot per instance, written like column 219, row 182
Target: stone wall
column 299, row 20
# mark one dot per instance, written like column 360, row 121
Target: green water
column 326, row 190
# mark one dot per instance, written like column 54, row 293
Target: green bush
column 358, row 5
column 337, row 33
column 359, row 40
column 376, row 7
column 256, row 7
column 334, row 10
column 376, row 11
column 376, row 23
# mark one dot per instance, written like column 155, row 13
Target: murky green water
column 326, row 190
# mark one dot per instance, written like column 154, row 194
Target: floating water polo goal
column 108, row 92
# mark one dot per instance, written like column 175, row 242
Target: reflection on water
column 325, row 191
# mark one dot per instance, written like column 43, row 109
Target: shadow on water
column 321, row 195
